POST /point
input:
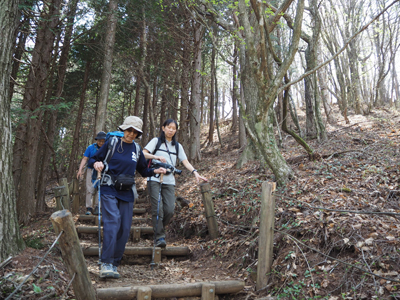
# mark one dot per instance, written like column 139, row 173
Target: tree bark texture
column 11, row 241
column 183, row 132
column 73, row 159
column 194, row 150
column 54, row 99
column 234, row 87
column 260, row 86
column 26, row 142
column 212, row 98
column 107, row 65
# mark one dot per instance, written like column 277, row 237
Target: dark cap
column 100, row 136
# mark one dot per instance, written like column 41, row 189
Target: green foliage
column 34, row 242
column 36, row 289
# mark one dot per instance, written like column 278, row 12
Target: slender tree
column 107, row 65
column 10, row 238
column 194, row 150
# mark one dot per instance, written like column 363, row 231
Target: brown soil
column 358, row 171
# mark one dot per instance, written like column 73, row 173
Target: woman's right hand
column 161, row 158
column 98, row 166
column 160, row 171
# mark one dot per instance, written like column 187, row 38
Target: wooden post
column 157, row 255
column 59, row 194
column 144, row 293
column 208, row 291
column 75, row 196
column 136, row 234
column 209, row 210
column 266, row 236
column 66, row 199
column 72, row 255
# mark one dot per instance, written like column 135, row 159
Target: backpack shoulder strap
column 177, row 152
column 137, row 146
column 157, row 146
column 110, row 151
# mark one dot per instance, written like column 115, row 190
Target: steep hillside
column 337, row 222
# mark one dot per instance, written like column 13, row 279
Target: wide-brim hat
column 132, row 122
column 101, row 135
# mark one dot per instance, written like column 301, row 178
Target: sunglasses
column 131, row 130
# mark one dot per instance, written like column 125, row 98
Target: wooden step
column 93, row 218
column 196, row 289
column 136, row 232
column 168, row 251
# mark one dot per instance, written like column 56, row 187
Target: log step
column 136, row 232
column 172, row 290
column 168, row 251
column 93, row 218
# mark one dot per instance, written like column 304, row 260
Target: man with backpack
column 90, row 190
column 167, row 150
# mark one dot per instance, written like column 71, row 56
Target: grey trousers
column 166, row 206
column 91, row 192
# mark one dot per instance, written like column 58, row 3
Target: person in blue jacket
column 90, row 190
column 117, row 196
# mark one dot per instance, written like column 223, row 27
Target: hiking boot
column 106, row 271
column 161, row 243
column 116, row 274
column 96, row 211
column 89, row 211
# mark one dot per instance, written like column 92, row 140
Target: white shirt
column 171, row 158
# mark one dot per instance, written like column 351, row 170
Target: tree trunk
column 324, row 95
column 153, row 126
column 11, row 241
column 73, row 159
column 212, row 98
column 23, row 34
column 137, row 96
column 147, row 99
column 242, row 129
column 26, row 145
column 107, row 65
column 234, row 87
column 216, row 107
column 49, row 134
column 260, row 86
column 194, row 150
column 183, row 132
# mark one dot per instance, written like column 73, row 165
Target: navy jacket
column 124, row 161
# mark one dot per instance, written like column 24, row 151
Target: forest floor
column 318, row 253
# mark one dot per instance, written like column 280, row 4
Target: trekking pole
column 99, row 216
column 152, row 264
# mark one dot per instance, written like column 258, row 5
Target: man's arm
column 81, row 166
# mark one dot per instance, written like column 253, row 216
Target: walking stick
column 99, row 215
column 152, row 264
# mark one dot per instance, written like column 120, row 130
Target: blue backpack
column 113, row 137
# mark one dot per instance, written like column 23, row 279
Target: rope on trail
column 35, row 268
